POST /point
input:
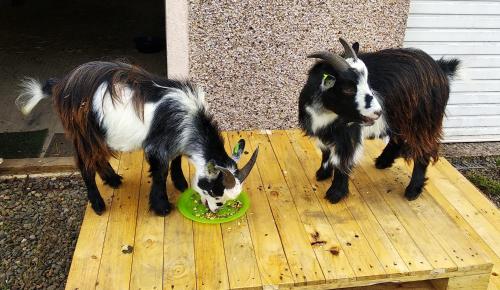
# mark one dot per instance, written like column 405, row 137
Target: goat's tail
column 32, row 92
column 449, row 66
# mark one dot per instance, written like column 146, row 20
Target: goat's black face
column 344, row 88
column 341, row 97
column 221, row 180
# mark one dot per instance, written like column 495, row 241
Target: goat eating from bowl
column 107, row 107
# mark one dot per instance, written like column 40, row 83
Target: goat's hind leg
column 158, row 199
column 93, row 194
column 177, row 176
column 390, row 153
column 417, row 182
column 109, row 176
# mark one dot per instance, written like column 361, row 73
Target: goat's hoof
column 335, row 195
column 323, row 174
column 413, row 192
column 181, row 185
column 161, row 207
column 383, row 163
column 98, row 206
column 114, row 181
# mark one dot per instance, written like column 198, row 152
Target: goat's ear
column 238, row 150
column 210, row 167
column 355, row 47
column 327, row 81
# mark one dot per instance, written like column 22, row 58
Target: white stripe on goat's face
column 367, row 105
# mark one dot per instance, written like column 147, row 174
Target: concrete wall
column 250, row 55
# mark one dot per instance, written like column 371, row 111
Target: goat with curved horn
column 348, row 51
column 334, row 60
column 243, row 173
column 228, row 179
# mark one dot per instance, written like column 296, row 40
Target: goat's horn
column 228, row 179
column 243, row 173
column 349, row 52
column 334, row 60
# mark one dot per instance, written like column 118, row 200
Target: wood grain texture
column 88, row 251
column 291, row 237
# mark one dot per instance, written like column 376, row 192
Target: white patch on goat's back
column 320, row 117
column 364, row 89
column 125, row 131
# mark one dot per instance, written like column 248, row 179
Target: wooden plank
column 271, row 259
column 115, row 267
column 472, row 282
column 147, row 261
column 88, row 251
column 353, row 241
column 456, row 132
column 464, row 34
column 475, row 85
column 469, row 191
column 471, row 60
column 458, row 246
column 472, row 121
column 179, row 271
column 411, row 255
column 423, row 238
column 476, row 48
column 455, row 7
column 483, row 73
column 301, row 257
column 238, row 246
column 475, row 98
column 473, row 109
column 210, row 259
column 439, row 185
column 320, row 232
column 453, row 21
column 37, row 165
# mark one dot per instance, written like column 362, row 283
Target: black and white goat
column 404, row 97
column 106, row 107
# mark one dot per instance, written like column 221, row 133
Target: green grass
column 485, row 183
column 497, row 161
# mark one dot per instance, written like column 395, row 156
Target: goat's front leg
column 158, row 199
column 339, row 188
column 326, row 168
column 177, row 176
column 417, row 182
column 390, row 153
column 93, row 194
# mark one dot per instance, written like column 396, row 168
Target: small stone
column 23, row 241
column 32, row 237
column 127, row 249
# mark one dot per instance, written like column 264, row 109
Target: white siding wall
column 470, row 31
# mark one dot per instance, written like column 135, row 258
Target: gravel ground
column 470, row 149
column 39, row 223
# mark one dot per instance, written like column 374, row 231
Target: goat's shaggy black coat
column 73, row 98
column 412, row 89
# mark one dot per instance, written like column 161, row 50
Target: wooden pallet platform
column 291, row 236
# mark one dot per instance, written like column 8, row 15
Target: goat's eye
column 349, row 91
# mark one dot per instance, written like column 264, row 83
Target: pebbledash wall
column 250, row 56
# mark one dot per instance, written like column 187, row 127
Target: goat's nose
column 378, row 113
column 219, row 204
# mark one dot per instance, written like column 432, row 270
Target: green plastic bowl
column 190, row 206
